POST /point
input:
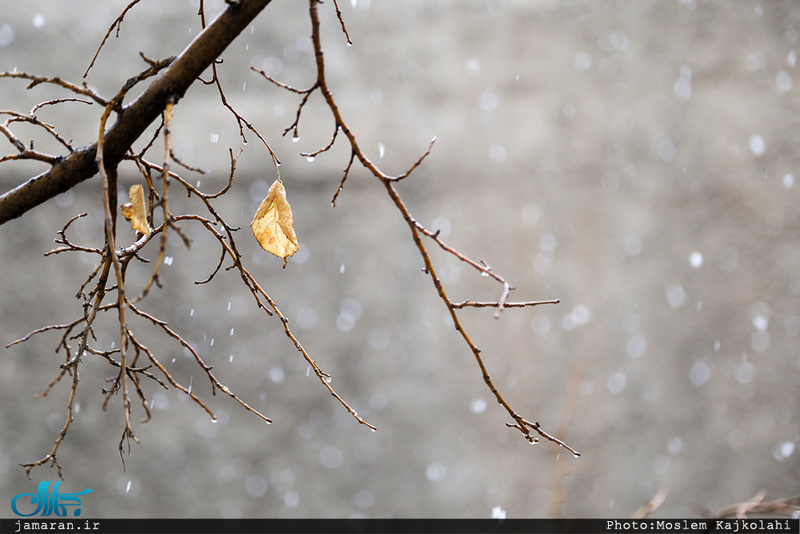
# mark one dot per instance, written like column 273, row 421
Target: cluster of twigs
column 113, row 263
column 105, row 289
column 531, row 430
column 789, row 506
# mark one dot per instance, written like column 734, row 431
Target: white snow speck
column 531, row 213
column 745, row 372
column 291, row 499
column 683, row 85
column 636, row 346
column 676, row 296
column 757, row 145
column 760, row 322
column 436, row 472
column 477, row 406
column 488, row 101
column 6, row 35
column 666, row 150
column 700, row 373
column 616, row 383
column 633, row 245
column 783, row 82
column 331, row 457
column 783, row 450
column 277, row 375
column 675, row 445
column 582, row 61
column 256, row 485
column 497, row 153
column 548, row 243
column 613, row 41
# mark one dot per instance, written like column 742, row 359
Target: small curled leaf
column 135, row 212
column 273, row 226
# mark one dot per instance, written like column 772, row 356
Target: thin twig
column 104, row 156
column 54, row 101
column 473, row 304
column 652, row 505
column 531, row 430
column 341, row 21
column 108, row 177
column 36, row 80
column 118, row 24
column 789, row 506
column 240, row 120
column 51, row 456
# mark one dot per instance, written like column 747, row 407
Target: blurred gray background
column 637, row 160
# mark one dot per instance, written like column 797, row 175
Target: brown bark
column 136, row 116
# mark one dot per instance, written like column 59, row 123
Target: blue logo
column 48, row 503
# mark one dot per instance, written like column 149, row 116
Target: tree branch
column 137, row 116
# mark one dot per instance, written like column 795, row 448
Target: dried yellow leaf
column 273, row 225
column 135, row 212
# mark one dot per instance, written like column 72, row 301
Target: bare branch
column 473, row 304
column 652, row 505
column 55, row 101
column 133, row 362
column 789, row 506
column 37, row 80
column 134, row 118
column 414, row 166
column 116, row 24
column 51, row 456
column 531, row 431
column 341, row 21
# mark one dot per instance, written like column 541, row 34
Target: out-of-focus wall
column 636, row 160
